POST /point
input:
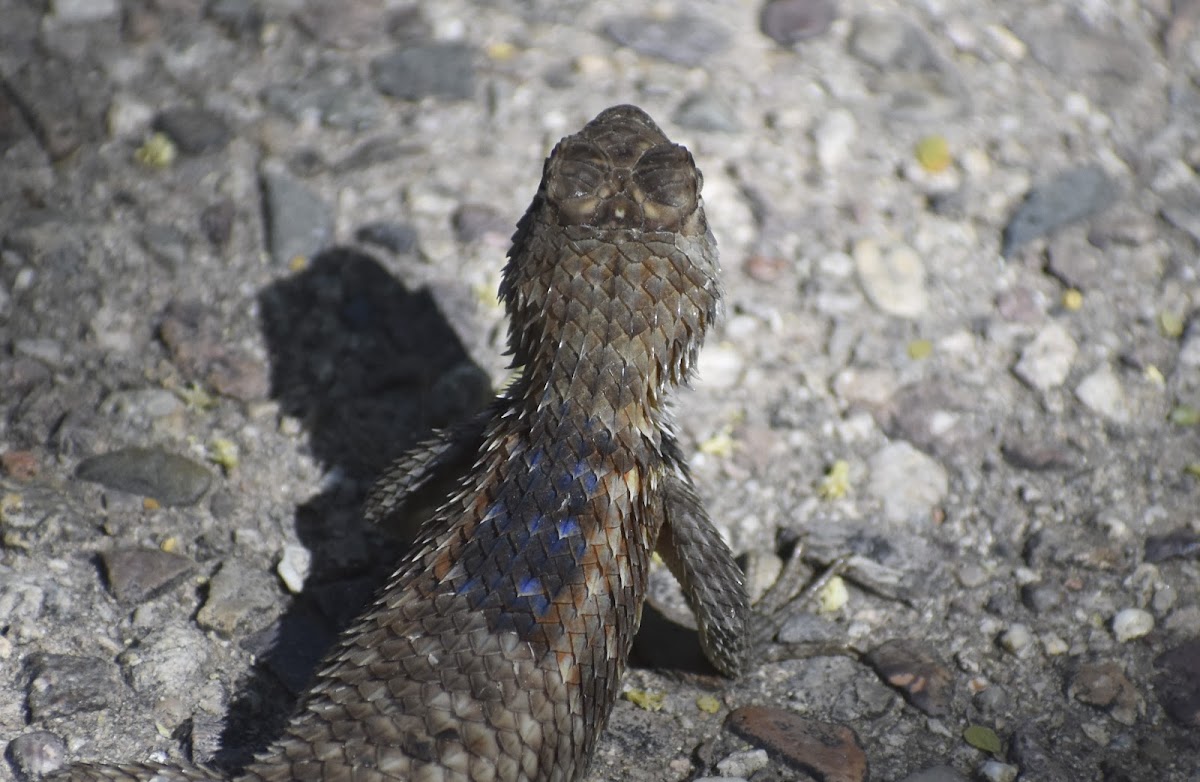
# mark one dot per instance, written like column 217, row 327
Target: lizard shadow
column 368, row 367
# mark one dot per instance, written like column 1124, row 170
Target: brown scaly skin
column 495, row 651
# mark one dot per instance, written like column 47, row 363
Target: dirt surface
column 961, row 343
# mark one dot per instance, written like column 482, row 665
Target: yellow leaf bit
column 646, row 700
column 836, row 483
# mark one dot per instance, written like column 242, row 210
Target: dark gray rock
column 916, row 82
column 1071, row 196
column 440, row 70
column 35, row 754
column 397, row 237
column 151, row 472
column 61, row 685
column 138, row 574
column 789, row 22
column 684, row 39
column 195, row 131
column 299, row 222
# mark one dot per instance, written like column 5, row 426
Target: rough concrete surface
column 249, row 252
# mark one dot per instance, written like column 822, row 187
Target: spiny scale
column 495, row 651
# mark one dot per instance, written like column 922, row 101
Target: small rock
column 683, row 39
column 705, row 111
column 240, row 18
column 1132, row 623
column 913, row 668
column 1038, row 455
column 299, row 222
column 397, row 237
column 743, row 764
column 835, row 136
column 895, row 281
column 1101, row 392
column 1016, row 639
column 237, row 595
column 150, row 472
column 1042, row 598
column 136, row 575
column 1077, row 264
column 473, row 222
column 63, row 685
column 1046, row 361
column 1068, row 198
column 1178, row 682
column 294, row 567
column 36, row 754
column 787, row 22
column 194, row 131
column 935, row 774
column 75, row 11
column 995, row 771
column 1105, row 684
column 1181, row 544
column 906, row 481
column 1020, row 304
column 20, row 465
column 827, row 750
column 216, row 222
column 804, row 627
column 440, row 70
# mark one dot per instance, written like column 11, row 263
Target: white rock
column 1131, row 623
column 834, row 137
column 1046, row 360
column 294, row 567
column 1102, row 393
column 84, row 10
column 995, row 771
column 894, row 281
column 1016, row 638
column 907, row 482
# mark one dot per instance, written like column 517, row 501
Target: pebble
column 195, row 131
column 1104, row 684
column 1181, row 544
column 708, row 112
column 216, row 222
column 136, row 575
column 835, row 136
column 1046, row 361
column 995, row 771
column 906, row 481
column 399, row 238
column 912, row 667
column 62, row 685
column 1076, row 262
column 474, row 222
column 1041, row 598
column 1073, row 195
column 294, row 567
column 439, row 70
column 20, row 465
column 743, row 764
column 1017, row 639
column 1178, row 681
column 787, row 22
column 75, row 11
column 827, row 750
column 149, row 472
column 36, row 754
column 65, row 104
column 299, row 222
column 894, row 280
column 1102, row 393
column 240, row 18
column 935, row 774
column 803, row 627
column 1132, row 623
column 1038, row 455
column 683, row 39
column 194, row 334
column 237, row 595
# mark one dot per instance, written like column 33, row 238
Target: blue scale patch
column 527, row 547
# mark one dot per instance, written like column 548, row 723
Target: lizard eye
column 668, row 176
column 580, row 173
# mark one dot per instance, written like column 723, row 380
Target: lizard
column 495, row 651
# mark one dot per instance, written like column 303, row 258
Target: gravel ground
column 248, row 253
